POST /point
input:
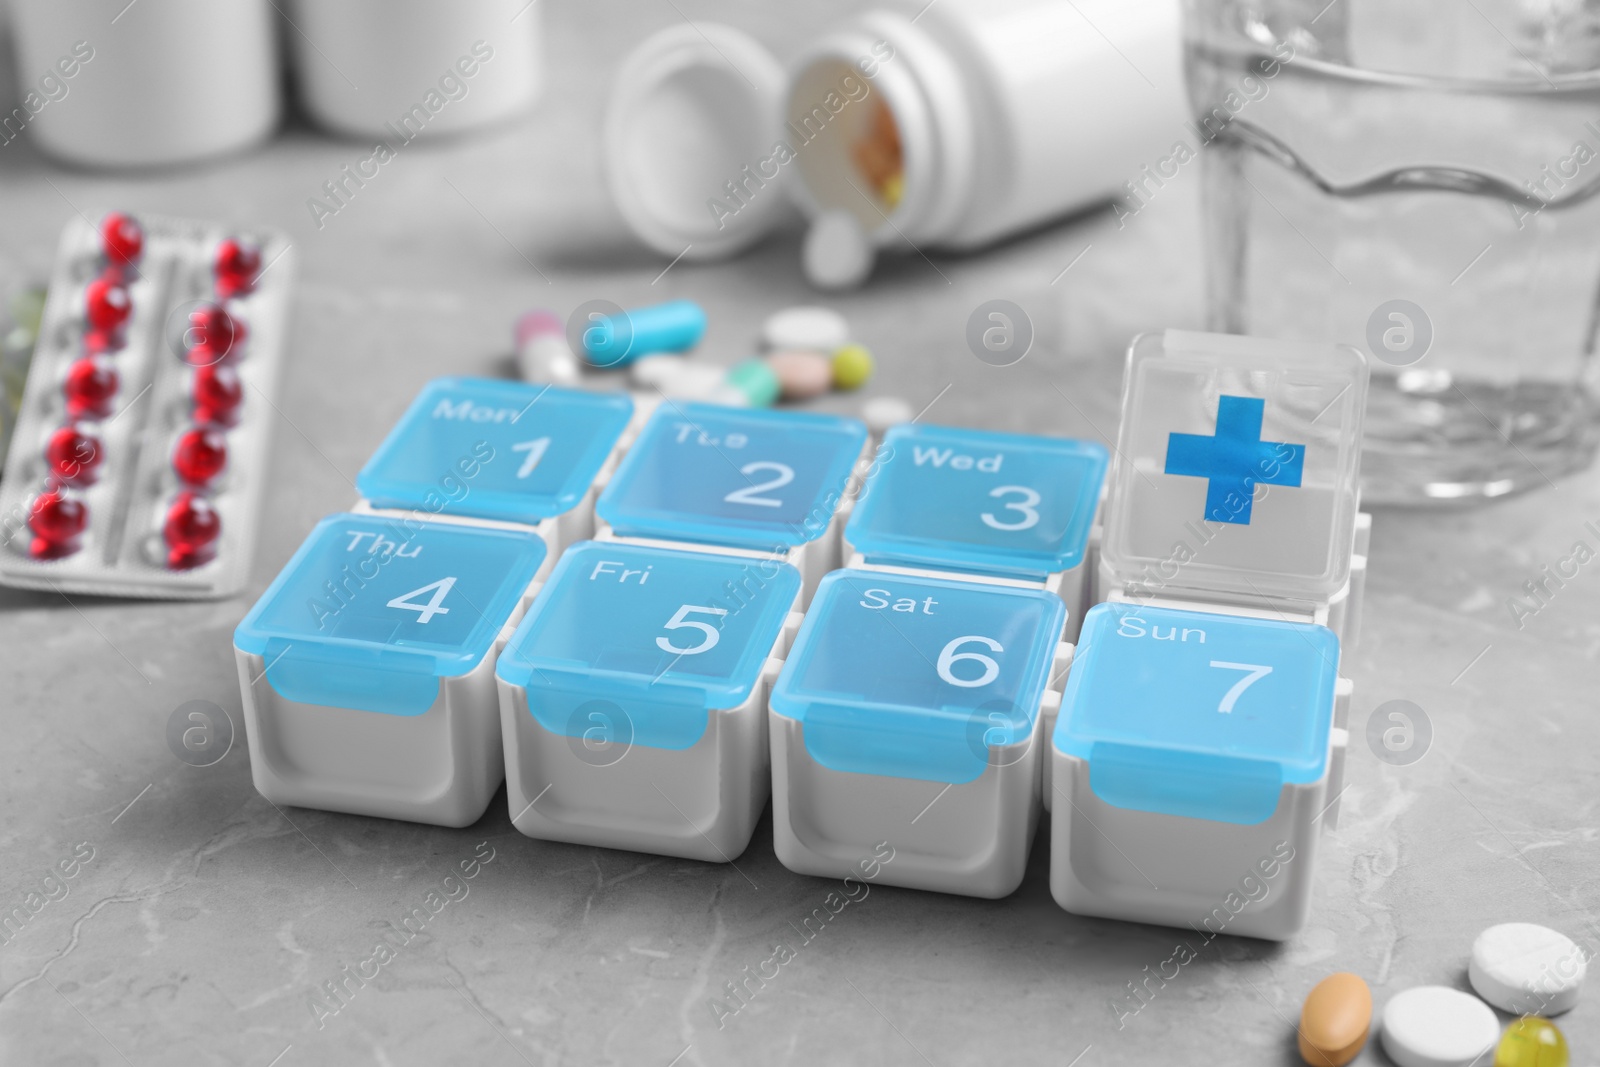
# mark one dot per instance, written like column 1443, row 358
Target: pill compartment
column 767, row 481
column 1192, row 760
column 367, row 667
column 123, row 549
column 633, row 698
column 995, row 504
column 487, row 449
column 909, row 711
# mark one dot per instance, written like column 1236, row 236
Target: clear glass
column 1415, row 178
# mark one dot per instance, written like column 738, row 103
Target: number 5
column 1256, row 672
column 713, row 635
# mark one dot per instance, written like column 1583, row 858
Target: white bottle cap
column 692, row 107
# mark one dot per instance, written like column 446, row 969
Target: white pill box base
column 1211, row 877
column 971, row 838
column 441, row 767
column 699, row 803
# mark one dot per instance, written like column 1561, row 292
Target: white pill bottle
column 945, row 125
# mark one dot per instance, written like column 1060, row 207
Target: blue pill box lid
column 371, row 611
column 1197, row 714
column 995, row 503
column 733, row 476
column 644, row 641
column 914, row 677
column 492, row 449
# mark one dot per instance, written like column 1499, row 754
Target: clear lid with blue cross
column 1236, row 467
column 643, row 642
column 492, row 449
column 913, row 677
column 1197, row 714
column 733, row 476
column 373, row 611
column 976, row 500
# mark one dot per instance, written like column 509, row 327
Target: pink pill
column 801, row 375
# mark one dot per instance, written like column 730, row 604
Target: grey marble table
column 206, row 917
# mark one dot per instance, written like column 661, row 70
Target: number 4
column 426, row 611
column 1256, row 672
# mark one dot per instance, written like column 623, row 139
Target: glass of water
column 1416, row 178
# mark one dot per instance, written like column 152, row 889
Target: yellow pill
column 1531, row 1042
column 852, row 366
column 1334, row 1021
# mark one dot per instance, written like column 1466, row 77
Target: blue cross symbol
column 1235, row 460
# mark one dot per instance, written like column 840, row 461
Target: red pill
column 200, row 455
column 191, row 531
column 122, row 239
column 107, row 304
column 73, row 456
column 238, row 264
column 213, row 335
column 217, row 394
column 90, row 387
column 57, row 522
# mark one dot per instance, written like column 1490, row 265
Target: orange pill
column 801, row 375
column 1335, row 1020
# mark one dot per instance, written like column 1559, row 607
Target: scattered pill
column 543, row 354
column 73, row 456
column 617, row 340
column 90, row 386
column 679, row 378
column 218, row 393
column 1335, row 1020
column 57, row 522
column 755, row 381
column 238, row 264
column 199, row 455
column 1532, row 1042
column 837, row 253
column 106, row 304
column 191, row 530
column 801, row 375
column 1525, row 968
column 121, row 239
column 1433, row 1026
column 817, row 329
column 882, row 412
column 852, row 367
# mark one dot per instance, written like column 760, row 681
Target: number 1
column 535, row 450
column 1256, row 672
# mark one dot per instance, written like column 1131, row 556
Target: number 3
column 1256, row 672
column 713, row 635
column 1026, row 505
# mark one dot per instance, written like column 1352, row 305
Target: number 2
column 713, row 635
column 785, row 475
column 535, row 450
column 431, row 608
column 1255, row 672
column 1026, row 505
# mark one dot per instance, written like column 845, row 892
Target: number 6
column 949, row 657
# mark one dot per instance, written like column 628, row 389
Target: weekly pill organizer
column 650, row 618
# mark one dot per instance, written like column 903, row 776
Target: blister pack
column 138, row 461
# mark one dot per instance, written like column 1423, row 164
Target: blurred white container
column 151, row 83
column 389, row 68
column 949, row 125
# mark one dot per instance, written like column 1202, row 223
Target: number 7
column 1256, row 672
